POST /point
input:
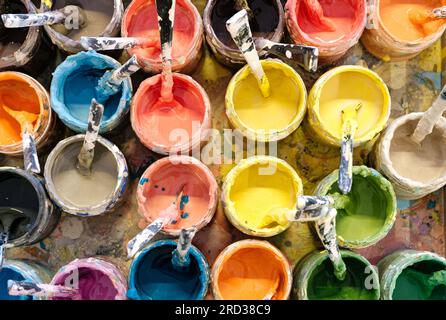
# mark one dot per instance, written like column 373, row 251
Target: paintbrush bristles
column 238, row 27
column 180, row 258
column 86, row 155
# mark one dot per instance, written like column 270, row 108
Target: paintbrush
column 273, row 290
column 238, row 27
column 167, row 216
column 315, row 13
column 116, row 43
column 86, row 155
column 349, row 127
column 26, row 119
column 424, row 16
column 8, row 217
column 305, row 56
column 26, row 288
column 180, row 257
column 110, row 83
column 69, row 17
column 430, row 118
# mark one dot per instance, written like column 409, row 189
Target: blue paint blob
column 153, row 276
column 143, row 180
column 184, row 215
column 74, row 86
column 10, row 274
column 184, row 201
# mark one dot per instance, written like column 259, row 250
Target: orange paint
column 23, row 103
column 409, row 20
column 251, row 270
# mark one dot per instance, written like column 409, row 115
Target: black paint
column 263, row 23
column 18, row 193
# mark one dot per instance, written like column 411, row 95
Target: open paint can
column 25, row 193
column 95, row 279
column 24, row 49
column 22, row 270
column 367, row 213
column 337, row 30
column 80, row 195
column 413, row 275
column 74, row 85
column 267, row 21
column 141, row 21
column 171, row 128
column 256, row 188
column 251, row 270
column 266, row 118
column 161, row 183
column 153, row 276
column 414, row 170
column 22, row 97
column 314, row 278
column 397, row 29
column 103, row 19
column 341, row 87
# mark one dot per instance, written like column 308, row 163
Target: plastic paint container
column 25, row 97
column 251, row 270
column 153, row 277
column 314, row 278
column 267, row 22
column 141, row 20
column 404, row 275
column 394, row 36
column 168, row 129
column 24, row 49
column 103, row 20
column 73, row 88
column 415, row 171
column 254, row 189
column 346, row 17
column 26, row 193
column 341, row 87
column 161, row 183
column 92, row 195
column 368, row 213
column 22, row 270
column 96, row 280
column 272, row 118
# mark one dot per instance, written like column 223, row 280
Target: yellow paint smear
column 19, row 106
column 344, row 89
column 255, row 195
column 279, row 109
column 410, row 20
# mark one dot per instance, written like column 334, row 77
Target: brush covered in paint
column 430, row 118
column 8, row 217
column 240, row 31
column 69, row 17
column 180, row 257
column 86, row 155
column 349, row 128
column 305, row 56
column 168, row 215
column 114, row 43
column 111, row 81
column 26, row 288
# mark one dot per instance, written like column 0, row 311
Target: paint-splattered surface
column 420, row 225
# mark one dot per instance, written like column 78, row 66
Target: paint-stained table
column 420, row 224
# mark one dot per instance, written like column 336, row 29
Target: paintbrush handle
column 180, row 258
column 430, row 118
column 4, row 237
column 166, row 19
column 110, row 43
column 30, row 158
column 439, row 12
column 346, row 164
column 240, row 31
column 305, row 56
column 86, row 155
column 124, row 71
column 26, row 288
column 18, row 20
column 309, row 207
column 145, row 236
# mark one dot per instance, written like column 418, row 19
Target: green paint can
column 413, row 275
column 314, row 278
column 367, row 213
